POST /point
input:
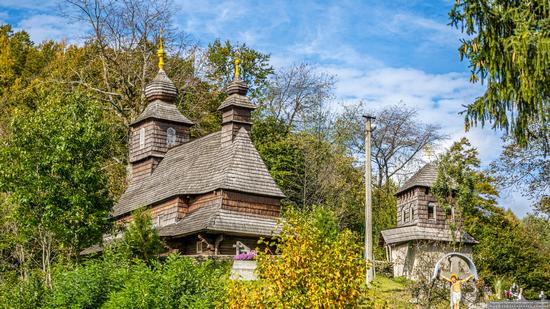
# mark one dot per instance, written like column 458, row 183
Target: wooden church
column 423, row 233
column 208, row 196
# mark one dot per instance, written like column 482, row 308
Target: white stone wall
column 416, row 260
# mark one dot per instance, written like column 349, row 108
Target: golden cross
column 428, row 152
column 160, row 52
column 237, row 62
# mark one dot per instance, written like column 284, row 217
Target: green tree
column 311, row 170
column 506, row 247
column 279, row 152
column 255, row 67
column 141, row 239
column 455, row 186
column 508, row 46
column 384, row 211
column 51, row 168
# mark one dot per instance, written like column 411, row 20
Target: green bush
column 87, row 285
column 178, row 283
column 116, row 282
column 23, row 294
column 141, row 240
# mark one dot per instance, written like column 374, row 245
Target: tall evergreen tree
column 508, row 46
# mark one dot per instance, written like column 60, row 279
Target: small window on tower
column 431, row 211
column 412, row 213
column 404, row 215
column 141, row 138
column 170, row 137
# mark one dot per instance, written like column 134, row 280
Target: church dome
column 237, row 87
column 161, row 88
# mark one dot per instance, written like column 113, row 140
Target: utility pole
column 368, row 199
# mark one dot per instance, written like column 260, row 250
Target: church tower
column 423, row 233
column 159, row 127
column 236, row 109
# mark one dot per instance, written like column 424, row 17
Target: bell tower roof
column 236, row 92
column 161, row 88
column 162, row 94
column 162, row 111
column 425, row 177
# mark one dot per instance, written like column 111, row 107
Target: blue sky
column 382, row 52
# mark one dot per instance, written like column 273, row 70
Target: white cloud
column 430, row 32
column 439, row 98
column 49, row 27
column 235, row 20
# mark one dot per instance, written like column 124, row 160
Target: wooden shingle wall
column 233, row 119
column 405, row 201
column 144, row 160
column 424, row 198
column 243, row 202
column 237, row 114
column 419, row 198
column 168, row 212
column 155, row 138
column 143, row 168
column 165, row 213
column 204, row 200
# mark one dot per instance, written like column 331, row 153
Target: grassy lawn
column 394, row 291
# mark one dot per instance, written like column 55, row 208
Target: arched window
column 431, row 211
column 411, row 216
column 404, row 215
column 170, row 137
column 141, row 138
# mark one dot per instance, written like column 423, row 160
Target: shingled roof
column 213, row 218
column 237, row 100
column 425, row 177
column 202, row 166
column 415, row 232
column 162, row 110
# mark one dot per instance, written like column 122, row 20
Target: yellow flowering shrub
column 312, row 265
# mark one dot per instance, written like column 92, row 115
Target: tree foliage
column 141, row 240
column 507, row 247
column 113, row 281
column 255, row 67
column 52, row 170
column 315, row 266
column 311, row 170
column 508, row 46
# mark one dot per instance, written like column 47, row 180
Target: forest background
column 64, row 128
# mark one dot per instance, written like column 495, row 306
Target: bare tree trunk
column 45, row 239
column 21, row 256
